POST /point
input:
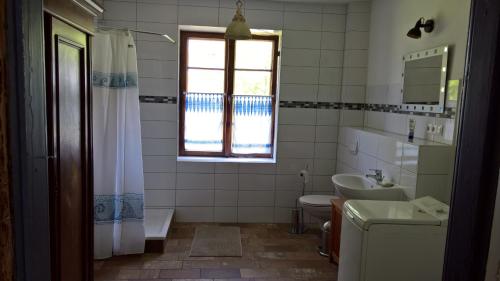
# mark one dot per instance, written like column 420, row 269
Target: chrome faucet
column 378, row 176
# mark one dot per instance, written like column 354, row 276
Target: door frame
column 478, row 149
column 478, row 146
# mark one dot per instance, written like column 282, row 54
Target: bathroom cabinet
column 336, row 223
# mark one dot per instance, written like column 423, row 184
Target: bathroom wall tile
column 374, row 120
column 158, row 87
column 257, row 168
column 255, row 198
column 287, row 198
column 195, row 181
column 226, row 181
column 158, row 112
column 226, row 168
column 156, row 50
column 297, row 116
column 328, row 117
column 159, row 129
column 255, row 182
column 300, row 57
column 303, row 7
column 125, row 11
column 296, row 133
column 159, row 180
column 339, row 9
column 289, row 182
column 396, row 123
column 226, row 214
column 358, row 22
column 357, row 40
column 301, row 39
column 332, row 40
column 159, row 164
column 256, row 5
column 409, row 181
column 157, row 69
column 282, row 215
column 298, row 92
column 325, row 150
column 168, row 28
column 299, row 75
column 159, row 198
column 287, row 166
column 353, row 94
column 347, row 158
column 359, row 7
column 390, row 151
column 198, row 198
column 191, row 15
column 366, row 163
column 356, row 58
column 264, row 19
column 330, row 75
column 255, row 214
column 334, row 23
column 342, row 168
column 202, row 3
column 194, row 214
column 410, row 157
column 326, row 133
column 159, row 147
column 195, row 167
column 353, row 118
column 354, row 76
column 329, row 93
column 302, row 21
column 295, row 150
column 324, row 167
column 323, row 184
column 332, row 58
column 156, row 13
column 226, row 198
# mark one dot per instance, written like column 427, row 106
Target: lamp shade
column 238, row 28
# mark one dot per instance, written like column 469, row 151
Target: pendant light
column 238, row 28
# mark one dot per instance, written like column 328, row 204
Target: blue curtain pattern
column 114, row 80
column 118, row 208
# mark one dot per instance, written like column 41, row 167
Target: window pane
column 254, row 54
column 206, row 53
column 203, row 123
column 252, row 124
column 205, row 81
column 255, row 83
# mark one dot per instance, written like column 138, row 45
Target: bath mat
column 216, row 241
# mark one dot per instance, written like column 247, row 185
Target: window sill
column 225, row 160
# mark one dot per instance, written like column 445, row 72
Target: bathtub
column 156, row 225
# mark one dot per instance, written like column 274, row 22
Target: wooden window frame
column 229, row 71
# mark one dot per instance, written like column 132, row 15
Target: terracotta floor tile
column 269, row 254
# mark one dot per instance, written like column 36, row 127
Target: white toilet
column 318, row 206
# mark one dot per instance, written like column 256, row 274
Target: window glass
column 254, row 54
column 252, row 83
column 206, row 53
column 205, row 81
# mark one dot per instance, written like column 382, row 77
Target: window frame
column 229, row 71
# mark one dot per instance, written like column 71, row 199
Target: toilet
column 318, row 206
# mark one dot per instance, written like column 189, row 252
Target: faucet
column 378, row 176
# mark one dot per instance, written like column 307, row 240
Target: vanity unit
column 420, row 168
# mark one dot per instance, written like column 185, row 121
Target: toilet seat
column 316, row 200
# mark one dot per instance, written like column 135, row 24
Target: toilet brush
column 297, row 216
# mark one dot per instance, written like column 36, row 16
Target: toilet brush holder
column 297, row 219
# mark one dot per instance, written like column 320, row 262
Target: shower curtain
column 118, row 170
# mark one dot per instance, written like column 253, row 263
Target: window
column 227, row 95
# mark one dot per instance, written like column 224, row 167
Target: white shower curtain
column 118, row 170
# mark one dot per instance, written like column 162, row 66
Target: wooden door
column 70, row 177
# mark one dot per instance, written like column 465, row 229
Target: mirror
column 424, row 80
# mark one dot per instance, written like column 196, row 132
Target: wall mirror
column 424, row 80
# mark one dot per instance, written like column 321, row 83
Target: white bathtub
column 157, row 222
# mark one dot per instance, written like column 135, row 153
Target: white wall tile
column 226, row 214
column 157, row 87
column 255, row 198
column 296, row 133
column 195, row 167
column 190, row 15
column 353, row 94
column 300, row 75
column 198, row 198
column 330, row 58
column 358, row 22
column 390, row 151
column 330, row 75
column 226, row 181
column 159, row 180
column 257, row 168
column 226, row 198
column 326, row 133
column 159, row 164
column 255, row 214
column 159, row 147
column 158, row 112
column 194, row 214
column 287, row 198
column 301, row 39
column 264, row 19
column 292, row 166
column 253, row 182
column 354, row 76
column 332, row 40
column 302, row 21
column 295, row 149
column 357, row 40
column 297, row 116
column 298, row 92
column 334, row 23
column 159, row 198
column 324, row 167
column 125, row 11
column 226, row 168
column 156, row 13
column 195, row 181
column 329, row 93
column 156, row 50
column 328, row 117
column 159, row 129
column 300, row 57
column 157, row 69
column 356, row 58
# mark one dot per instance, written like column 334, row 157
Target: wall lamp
column 415, row 32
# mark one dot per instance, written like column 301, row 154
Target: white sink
column 352, row 186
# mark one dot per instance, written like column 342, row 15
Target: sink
column 353, row 186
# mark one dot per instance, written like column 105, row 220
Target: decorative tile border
column 158, row 99
column 449, row 112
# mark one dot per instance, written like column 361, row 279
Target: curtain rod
column 142, row 31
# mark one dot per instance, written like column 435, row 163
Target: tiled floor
column 269, row 254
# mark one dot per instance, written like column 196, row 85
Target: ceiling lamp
column 238, row 28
